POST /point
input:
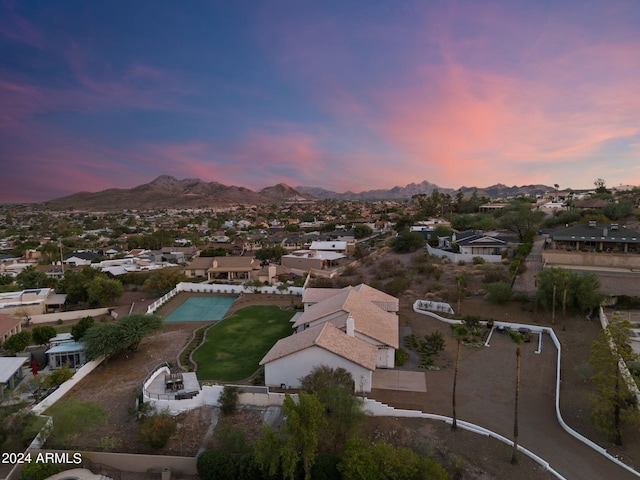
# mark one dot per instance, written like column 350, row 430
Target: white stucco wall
column 290, row 369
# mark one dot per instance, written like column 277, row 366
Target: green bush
column 228, row 400
column 401, row 357
column 499, row 292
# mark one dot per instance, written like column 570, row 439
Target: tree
column 583, row 289
column 382, row 461
column 459, row 277
column 362, row 231
column 521, row 219
column 323, row 376
column 163, row 281
column 17, row 342
column 228, row 400
column 613, row 404
column 102, row 292
column 499, row 292
column 459, row 331
column 297, row 441
column 75, row 283
column 32, row 278
column 343, row 410
column 111, row 338
column 517, row 338
column 42, row 334
column 407, row 241
column 271, row 253
column 78, row 330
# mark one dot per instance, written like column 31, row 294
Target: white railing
column 221, row 288
column 554, row 338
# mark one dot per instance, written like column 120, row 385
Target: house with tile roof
column 233, row 268
column 355, row 328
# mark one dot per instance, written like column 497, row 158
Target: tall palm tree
column 553, row 305
column 518, row 338
column 458, row 331
column 565, row 287
column 458, row 278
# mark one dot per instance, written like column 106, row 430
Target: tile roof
column 200, row 263
column 329, row 338
column 385, row 301
column 8, row 322
column 370, row 320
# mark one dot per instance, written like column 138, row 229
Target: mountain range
column 167, row 191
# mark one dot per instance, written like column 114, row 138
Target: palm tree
column 553, row 305
column 458, row 278
column 518, row 338
column 458, row 331
column 565, row 287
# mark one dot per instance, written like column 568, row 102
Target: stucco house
column 233, row 268
column 198, row 267
column 292, row 358
column 472, row 242
column 9, row 325
column 355, row 328
column 33, row 301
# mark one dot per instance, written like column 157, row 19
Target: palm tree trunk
column 454, row 424
column 514, row 455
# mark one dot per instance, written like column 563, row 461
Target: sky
column 354, row 95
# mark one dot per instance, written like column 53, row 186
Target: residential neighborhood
column 346, row 275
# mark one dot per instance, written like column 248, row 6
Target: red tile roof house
column 355, row 328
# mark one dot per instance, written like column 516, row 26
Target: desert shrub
column 155, row 430
column 401, row 357
column 397, row 286
column 437, row 273
column 228, row 400
column 478, row 260
column 349, row 271
column 499, row 292
column 433, row 344
column 435, row 287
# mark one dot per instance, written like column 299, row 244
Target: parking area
column 399, row 380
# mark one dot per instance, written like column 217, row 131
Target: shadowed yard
column 234, row 347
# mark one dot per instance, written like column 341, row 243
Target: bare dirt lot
column 114, row 384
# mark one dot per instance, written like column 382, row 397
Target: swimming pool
column 201, row 309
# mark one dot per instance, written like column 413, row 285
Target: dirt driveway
column 485, row 396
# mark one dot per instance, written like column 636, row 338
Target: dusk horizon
column 344, row 97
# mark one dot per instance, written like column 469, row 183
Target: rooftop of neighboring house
column 611, row 232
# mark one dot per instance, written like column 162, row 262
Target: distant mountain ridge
column 167, row 191
column 495, row 191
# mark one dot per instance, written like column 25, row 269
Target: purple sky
column 342, row 95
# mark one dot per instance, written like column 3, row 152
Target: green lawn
column 234, row 347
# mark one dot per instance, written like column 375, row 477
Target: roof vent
column 592, row 224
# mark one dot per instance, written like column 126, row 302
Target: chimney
column 605, row 232
column 351, row 331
